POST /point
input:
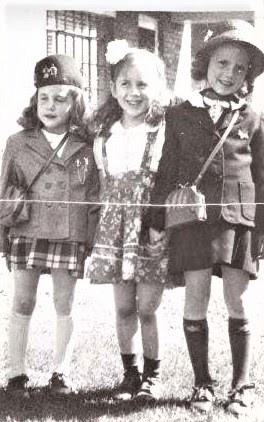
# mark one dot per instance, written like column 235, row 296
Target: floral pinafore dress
column 119, row 254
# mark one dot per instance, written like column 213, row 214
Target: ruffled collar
column 142, row 128
column 196, row 100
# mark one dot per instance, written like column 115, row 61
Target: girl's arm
column 8, row 178
column 257, row 168
column 167, row 174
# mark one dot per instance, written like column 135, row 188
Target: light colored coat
column 71, row 180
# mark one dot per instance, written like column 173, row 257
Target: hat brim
column 256, row 54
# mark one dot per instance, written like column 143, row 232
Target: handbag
column 15, row 202
column 186, row 204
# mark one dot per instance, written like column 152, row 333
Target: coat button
column 48, row 185
column 62, row 185
column 48, row 170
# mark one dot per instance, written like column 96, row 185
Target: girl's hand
column 155, row 236
column 261, row 246
column 157, row 243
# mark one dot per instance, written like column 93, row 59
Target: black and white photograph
column 131, row 211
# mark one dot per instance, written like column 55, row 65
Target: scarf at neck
column 216, row 104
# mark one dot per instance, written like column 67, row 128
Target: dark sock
column 151, row 368
column 239, row 336
column 130, row 362
column 196, row 334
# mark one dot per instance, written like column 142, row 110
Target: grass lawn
column 96, row 365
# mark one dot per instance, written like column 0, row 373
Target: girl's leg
column 149, row 299
column 236, row 294
column 197, row 295
column 25, row 292
column 63, row 296
column 127, row 328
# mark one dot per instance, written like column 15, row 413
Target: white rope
column 128, row 204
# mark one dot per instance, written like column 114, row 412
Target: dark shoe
column 240, row 400
column 59, row 385
column 150, row 389
column 202, row 398
column 18, row 385
column 129, row 386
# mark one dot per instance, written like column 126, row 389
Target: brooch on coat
column 82, row 168
column 242, row 134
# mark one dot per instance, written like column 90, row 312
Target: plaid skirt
column 27, row 253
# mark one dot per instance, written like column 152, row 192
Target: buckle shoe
column 150, row 388
column 239, row 400
column 59, row 385
column 202, row 398
column 129, row 386
column 18, row 385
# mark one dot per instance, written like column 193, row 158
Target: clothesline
column 121, row 204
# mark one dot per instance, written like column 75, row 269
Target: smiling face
column 54, row 107
column 227, row 69
column 136, row 85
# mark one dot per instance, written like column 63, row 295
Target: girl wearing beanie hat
column 227, row 243
column 59, row 233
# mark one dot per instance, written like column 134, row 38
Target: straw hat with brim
column 238, row 32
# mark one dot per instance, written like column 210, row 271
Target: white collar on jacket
column 196, row 100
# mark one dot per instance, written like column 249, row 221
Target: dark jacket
column 235, row 176
column 63, row 181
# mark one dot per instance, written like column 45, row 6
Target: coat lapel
column 37, row 142
column 73, row 145
column 198, row 116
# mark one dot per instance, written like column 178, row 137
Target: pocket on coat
column 34, row 210
column 247, row 199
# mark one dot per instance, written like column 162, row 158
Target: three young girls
column 227, row 243
column 59, row 233
column 130, row 135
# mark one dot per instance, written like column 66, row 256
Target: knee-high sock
column 239, row 336
column 18, row 339
column 64, row 344
column 196, row 334
column 151, row 368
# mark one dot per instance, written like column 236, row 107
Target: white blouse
column 54, row 140
column 125, row 148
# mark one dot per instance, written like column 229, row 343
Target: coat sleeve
column 167, row 174
column 8, row 177
column 93, row 209
column 257, row 166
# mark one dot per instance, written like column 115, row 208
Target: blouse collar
column 196, row 100
column 142, row 128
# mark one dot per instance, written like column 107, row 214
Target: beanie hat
column 238, row 32
column 58, row 69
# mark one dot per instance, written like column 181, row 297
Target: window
column 148, row 33
column 75, row 33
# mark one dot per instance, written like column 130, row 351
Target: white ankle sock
column 64, row 344
column 18, row 339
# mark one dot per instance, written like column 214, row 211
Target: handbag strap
column 216, row 148
column 47, row 163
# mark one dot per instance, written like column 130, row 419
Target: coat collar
column 203, row 119
column 37, row 141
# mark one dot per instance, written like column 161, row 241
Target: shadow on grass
column 83, row 406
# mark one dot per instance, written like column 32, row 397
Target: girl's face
column 227, row 69
column 136, row 85
column 54, row 107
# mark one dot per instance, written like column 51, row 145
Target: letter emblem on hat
column 50, row 71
